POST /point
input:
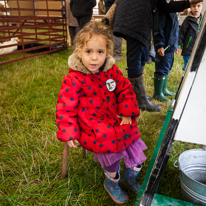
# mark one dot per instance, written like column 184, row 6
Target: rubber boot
column 143, row 102
column 130, row 178
column 142, row 70
column 148, row 97
column 165, row 91
column 158, row 88
column 112, row 187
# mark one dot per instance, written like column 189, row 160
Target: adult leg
column 134, row 55
column 144, row 58
column 73, row 30
column 152, row 52
column 83, row 20
column 143, row 62
column 117, row 47
column 72, row 34
column 76, row 30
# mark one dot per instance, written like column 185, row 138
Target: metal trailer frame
column 39, row 25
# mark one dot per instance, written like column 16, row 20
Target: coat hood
column 191, row 17
column 76, row 64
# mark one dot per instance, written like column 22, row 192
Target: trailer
column 38, row 25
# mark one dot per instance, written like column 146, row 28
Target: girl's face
column 196, row 9
column 94, row 53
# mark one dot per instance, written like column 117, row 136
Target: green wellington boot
column 158, row 88
column 165, row 91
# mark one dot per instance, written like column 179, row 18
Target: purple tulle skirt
column 133, row 155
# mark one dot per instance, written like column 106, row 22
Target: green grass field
column 31, row 155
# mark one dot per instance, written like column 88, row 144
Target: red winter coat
column 87, row 110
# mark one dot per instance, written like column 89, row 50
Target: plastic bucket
column 192, row 169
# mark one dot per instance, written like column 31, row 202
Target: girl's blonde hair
column 90, row 29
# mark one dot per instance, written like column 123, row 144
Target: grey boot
column 142, row 70
column 143, row 102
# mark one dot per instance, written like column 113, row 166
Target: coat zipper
column 198, row 32
column 189, row 42
column 200, row 24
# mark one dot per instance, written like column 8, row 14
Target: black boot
column 143, row 102
column 142, row 70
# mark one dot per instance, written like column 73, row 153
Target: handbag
column 109, row 17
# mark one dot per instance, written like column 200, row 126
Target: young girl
column 97, row 108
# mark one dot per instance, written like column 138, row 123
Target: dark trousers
column 83, row 20
column 135, row 50
column 144, row 56
column 73, row 30
column 164, row 64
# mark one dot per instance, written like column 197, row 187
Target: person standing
column 82, row 10
column 117, row 41
column 71, row 21
column 165, row 37
column 101, row 7
column 133, row 23
column 189, row 31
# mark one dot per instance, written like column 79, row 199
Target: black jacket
column 108, row 4
column 133, row 18
column 165, row 31
column 82, row 8
column 188, row 34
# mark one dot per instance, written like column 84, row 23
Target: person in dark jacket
column 189, row 31
column 108, row 4
column 82, row 10
column 133, row 22
column 165, row 37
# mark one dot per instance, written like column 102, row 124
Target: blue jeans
column 186, row 59
column 164, row 64
column 135, row 50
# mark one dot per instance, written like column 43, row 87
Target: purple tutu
column 133, row 155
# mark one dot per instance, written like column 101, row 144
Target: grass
column 31, row 155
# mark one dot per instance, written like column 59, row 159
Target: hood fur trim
column 76, row 64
